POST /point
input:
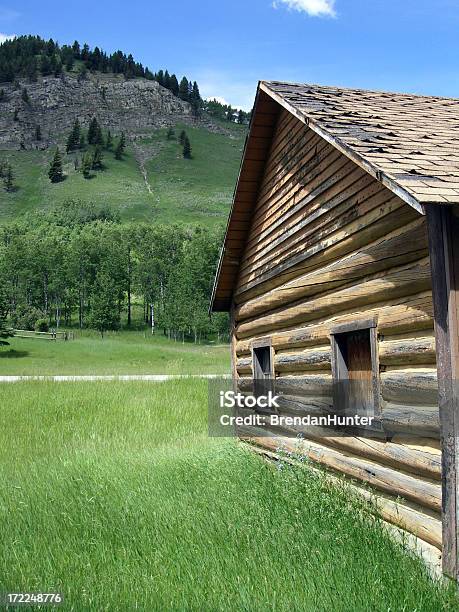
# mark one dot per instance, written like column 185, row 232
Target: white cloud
column 314, row 8
column 227, row 88
column 219, row 99
column 4, row 37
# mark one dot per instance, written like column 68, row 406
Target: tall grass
column 113, row 494
column 125, row 352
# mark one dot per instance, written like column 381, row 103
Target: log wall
column 328, row 245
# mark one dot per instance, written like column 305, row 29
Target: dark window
column 262, row 370
column 355, row 370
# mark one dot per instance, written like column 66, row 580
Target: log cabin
column 341, row 254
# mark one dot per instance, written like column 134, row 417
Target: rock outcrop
column 132, row 106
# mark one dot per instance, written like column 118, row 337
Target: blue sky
column 397, row 45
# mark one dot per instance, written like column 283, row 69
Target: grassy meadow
column 113, row 494
column 181, row 190
column 125, row 352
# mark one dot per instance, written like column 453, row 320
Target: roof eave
column 212, row 306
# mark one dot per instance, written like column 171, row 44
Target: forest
column 78, row 265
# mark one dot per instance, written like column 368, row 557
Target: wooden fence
column 52, row 335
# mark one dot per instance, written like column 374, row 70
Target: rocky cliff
column 132, row 106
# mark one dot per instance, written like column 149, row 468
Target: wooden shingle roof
column 410, row 143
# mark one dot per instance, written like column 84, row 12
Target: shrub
column 41, row 325
column 26, row 317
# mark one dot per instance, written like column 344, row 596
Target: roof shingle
column 411, row 140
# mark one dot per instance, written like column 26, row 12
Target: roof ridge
column 358, row 89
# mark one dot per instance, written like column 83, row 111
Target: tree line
column 78, row 265
column 28, row 56
column 225, row 112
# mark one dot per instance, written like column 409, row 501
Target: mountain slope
column 152, row 182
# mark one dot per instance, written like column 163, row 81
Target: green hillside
column 153, row 182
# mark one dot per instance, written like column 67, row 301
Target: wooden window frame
column 340, row 370
column 262, row 343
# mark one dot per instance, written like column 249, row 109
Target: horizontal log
column 407, row 351
column 321, row 229
column 318, row 385
column 409, row 314
column 402, row 246
column 424, row 524
column 417, row 461
column 405, row 281
column 410, row 386
column 312, row 359
column 301, row 406
column 414, row 420
column 324, row 215
column 395, row 455
column 340, row 182
column 425, row 492
column 244, row 365
column 328, row 248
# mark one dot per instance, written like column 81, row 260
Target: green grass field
column 126, row 352
column 202, row 186
column 185, row 191
column 113, row 494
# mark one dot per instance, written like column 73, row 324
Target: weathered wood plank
column 416, row 386
column 368, row 228
column 412, row 278
column 403, row 245
column 407, row 351
column 312, row 359
column 409, row 314
column 411, row 419
column 444, row 254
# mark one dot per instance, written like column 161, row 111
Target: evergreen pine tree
column 55, row 170
column 187, row 148
column 37, row 132
column 86, row 165
column 8, row 179
column 109, row 141
column 82, row 73
column 99, row 137
column 170, row 134
column 183, row 89
column 160, row 77
column 93, row 132
column 195, row 98
column 120, row 147
column 182, row 137
column 167, row 80
column 82, row 142
column 174, row 86
column 240, row 116
column 73, row 140
column 97, row 163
